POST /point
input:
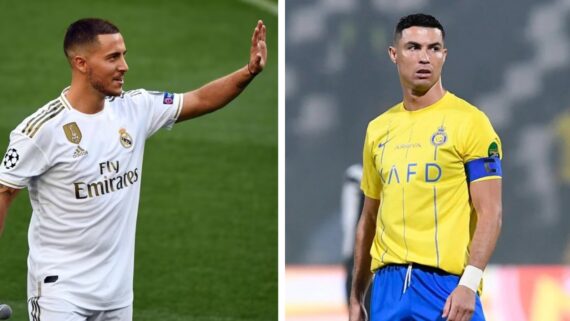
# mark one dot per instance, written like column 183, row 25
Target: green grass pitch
column 207, row 226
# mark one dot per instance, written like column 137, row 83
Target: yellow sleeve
column 371, row 184
column 478, row 139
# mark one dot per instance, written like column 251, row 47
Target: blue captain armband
column 483, row 167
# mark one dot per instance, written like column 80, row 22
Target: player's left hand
column 258, row 50
column 460, row 304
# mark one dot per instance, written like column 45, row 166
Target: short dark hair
column 417, row 20
column 85, row 31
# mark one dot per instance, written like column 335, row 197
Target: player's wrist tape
column 471, row 277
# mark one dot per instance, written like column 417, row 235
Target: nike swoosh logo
column 384, row 143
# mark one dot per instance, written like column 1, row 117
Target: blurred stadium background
column 207, row 227
column 510, row 58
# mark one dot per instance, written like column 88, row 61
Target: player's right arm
column 361, row 274
column 7, row 195
column 23, row 160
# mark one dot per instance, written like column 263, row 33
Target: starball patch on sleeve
column 11, row 158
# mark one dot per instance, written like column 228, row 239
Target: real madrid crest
column 439, row 137
column 72, row 132
column 125, row 139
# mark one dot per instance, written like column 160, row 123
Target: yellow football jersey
column 415, row 163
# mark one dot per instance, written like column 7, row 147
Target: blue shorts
column 423, row 299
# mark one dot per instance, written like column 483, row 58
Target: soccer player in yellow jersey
column 432, row 185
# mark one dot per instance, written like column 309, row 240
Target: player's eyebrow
column 417, row 44
column 413, row 43
column 115, row 54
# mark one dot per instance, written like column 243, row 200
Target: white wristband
column 471, row 277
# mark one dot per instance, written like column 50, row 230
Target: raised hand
column 258, row 50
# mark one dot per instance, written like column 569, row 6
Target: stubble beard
column 420, row 88
column 100, row 86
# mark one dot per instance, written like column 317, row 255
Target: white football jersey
column 83, row 173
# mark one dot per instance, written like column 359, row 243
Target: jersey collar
column 64, row 99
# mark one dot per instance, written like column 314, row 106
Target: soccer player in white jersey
column 80, row 156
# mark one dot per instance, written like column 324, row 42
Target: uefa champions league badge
column 168, row 98
column 11, row 158
column 439, row 137
column 125, row 139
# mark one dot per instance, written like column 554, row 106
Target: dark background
column 509, row 58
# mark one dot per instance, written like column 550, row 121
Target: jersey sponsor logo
column 439, row 137
column 125, row 139
column 112, row 181
column 85, row 190
column 432, row 173
column 72, row 132
column 11, row 158
column 493, row 150
column 168, row 98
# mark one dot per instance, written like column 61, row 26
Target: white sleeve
column 350, row 206
column 163, row 110
column 23, row 160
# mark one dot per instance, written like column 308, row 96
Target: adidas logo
column 79, row 152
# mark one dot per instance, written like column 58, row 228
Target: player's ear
column 444, row 54
column 392, row 53
column 79, row 63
